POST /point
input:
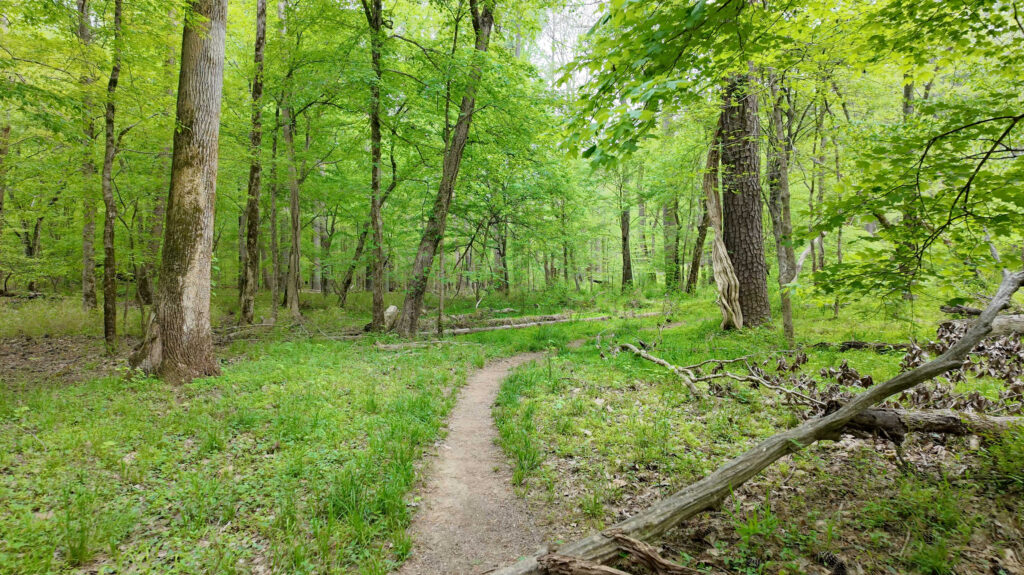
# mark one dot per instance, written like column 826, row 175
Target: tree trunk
column 84, row 33
column 627, row 260
column 670, row 213
column 741, row 199
column 275, row 248
column 293, row 284
column 698, row 251
column 5, row 142
column 483, row 21
column 250, row 274
column 374, row 12
column 778, row 204
column 179, row 343
column 110, row 206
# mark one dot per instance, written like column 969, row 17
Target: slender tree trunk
column 316, row 277
column 5, row 142
column 670, row 215
column 293, row 284
column 275, row 248
column 778, row 204
column 698, row 251
column 110, row 206
column 179, row 343
column 84, row 33
column 374, row 12
column 741, row 199
column 250, row 274
column 483, row 21
column 627, row 259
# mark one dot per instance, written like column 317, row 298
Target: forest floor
column 309, row 453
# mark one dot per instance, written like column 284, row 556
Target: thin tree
column 110, row 206
column 88, row 169
column 179, row 343
column 374, row 11
column 779, row 149
column 250, row 274
column 293, row 283
column 483, row 21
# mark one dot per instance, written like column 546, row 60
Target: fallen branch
column 649, row 556
column 415, row 344
column 562, row 565
column 960, row 310
column 683, row 374
column 1001, row 325
column 468, row 330
column 714, row 488
column 848, row 345
column 895, row 424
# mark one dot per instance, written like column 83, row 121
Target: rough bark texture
column 110, row 206
column 741, row 199
column 714, row 488
column 374, row 12
column 5, row 139
column 778, row 204
column 178, row 343
column 726, row 283
column 895, row 424
column 483, row 22
column 293, row 283
column 250, row 274
column 88, row 170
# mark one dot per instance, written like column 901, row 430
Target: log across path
column 470, row 521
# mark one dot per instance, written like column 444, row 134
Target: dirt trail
column 471, row 522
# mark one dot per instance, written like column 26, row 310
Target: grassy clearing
column 298, row 459
column 595, row 439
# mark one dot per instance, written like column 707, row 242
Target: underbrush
column 296, row 460
column 616, row 433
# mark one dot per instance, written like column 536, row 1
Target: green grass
column 297, row 459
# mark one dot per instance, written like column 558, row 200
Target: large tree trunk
column 778, row 204
column 741, row 199
column 723, row 274
column 179, row 343
column 483, row 22
column 250, row 274
column 375, row 17
column 713, row 489
column 110, row 206
column 670, row 214
column 88, row 170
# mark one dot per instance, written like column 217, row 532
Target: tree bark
column 88, row 170
column 670, row 214
column 698, row 251
column 250, row 275
column 179, row 343
column 293, row 283
column 895, row 424
column 1002, row 325
column 778, row 204
column 275, row 248
column 110, row 206
column 723, row 274
column 627, row 258
column 483, row 22
column 713, row 489
column 741, row 199
column 5, row 142
column 374, row 11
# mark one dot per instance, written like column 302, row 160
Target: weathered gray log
column 714, row 488
column 468, row 330
column 563, row 565
column 895, row 424
column 1001, row 325
column 649, row 556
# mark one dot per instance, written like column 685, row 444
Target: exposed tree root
column 710, row 491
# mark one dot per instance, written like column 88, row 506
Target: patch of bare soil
column 470, row 521
column 58, row 360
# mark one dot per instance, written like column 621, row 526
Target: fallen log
column 895, row 424
column 1002, row 325
column 468, row 330
column 682, row 374
column 874, row 346
column 713, row 489
column 649, row 556
column 562, row 565
column 960, row 310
